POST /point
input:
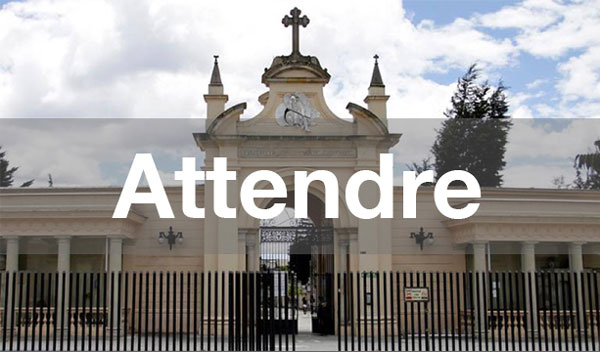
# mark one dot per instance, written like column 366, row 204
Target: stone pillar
column 528, row 267
column 479, row 258
column 12, row 266
column 115, row 257
column 12, row 253
column 479, row 270
column 576, row 266
column 247, row 239
column 63, row 268
column 115, row 266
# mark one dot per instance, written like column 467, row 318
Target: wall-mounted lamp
column 422, row 237
column 171, row 237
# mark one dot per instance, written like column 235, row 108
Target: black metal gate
column 149, row 311
column 459, row 311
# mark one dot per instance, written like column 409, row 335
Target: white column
column 12, row 253
column 528, row 267
column 576, row 266
column 12, row 266
column 63, row 266
column 576, row 256
column 115, row 265
column 479, row 269
column 64, row 254
column 479, row 258
column 115, row 260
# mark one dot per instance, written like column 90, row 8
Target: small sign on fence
column 416, row 294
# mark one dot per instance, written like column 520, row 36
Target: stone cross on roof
column 295, row 21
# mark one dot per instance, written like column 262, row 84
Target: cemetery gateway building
column 72, row 229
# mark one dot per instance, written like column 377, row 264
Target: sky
column 125, row 59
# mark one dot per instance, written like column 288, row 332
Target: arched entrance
column 305, row 249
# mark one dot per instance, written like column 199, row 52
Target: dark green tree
column 587, row 168
column 474, row 135
column 7, row 172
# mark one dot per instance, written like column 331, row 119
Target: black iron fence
column 458, row 311
column 148, row 311
column 181, row 311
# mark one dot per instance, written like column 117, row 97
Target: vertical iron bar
column 357, row 274
column 167, row 309
column 154, row 310
column 537, row 277
column 111, row 309
column 20, row 312
column 174, row 307
column 352, row 318
column 251, row 305
column 494, row 316
column 473, row 307
column 578, row 317
column 230, row 305
column 485, row 310
column 41, row 311
column 584, row 310
column 195, row 331
column 385, row 311
column 202, row 310
column 365, row 293
column 222, row 311
column 591, row 302
column 118, row 317
column 97, row 319
column 378, row 312
column 405, row 313
column 452, row 316
column 62, row 311
column 146, row 310
column 26, row 311
column 89, row 318
column 208, row 305
column 372, row 310
column 188, row 310
column 279, row 305
column 6, row 309
column 445, row 288
column 559, row 321
column 288, row 327
column 272, row 309
column 133, row 295
column 160, row 309
column 597, row 294
column 458, row 310
column 75, row 318
column 512, row 317
column 545, row 311
column 339, row 318
column 479, row 309
column 181, row 311
column 520, row 318
column 55, row 314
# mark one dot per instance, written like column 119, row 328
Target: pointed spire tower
column 215, row 99
column 377, row 100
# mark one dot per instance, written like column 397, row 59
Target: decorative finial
column 215, row 78
column 376, row 80
column 295, row 21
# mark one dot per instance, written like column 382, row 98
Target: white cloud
column 153, row 58
column 581, row 76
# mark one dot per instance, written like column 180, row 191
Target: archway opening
column 304, row 248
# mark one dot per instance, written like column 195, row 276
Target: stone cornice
column 510, row 230
column 81, row 227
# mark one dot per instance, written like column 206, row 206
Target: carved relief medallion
column 297, row 111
